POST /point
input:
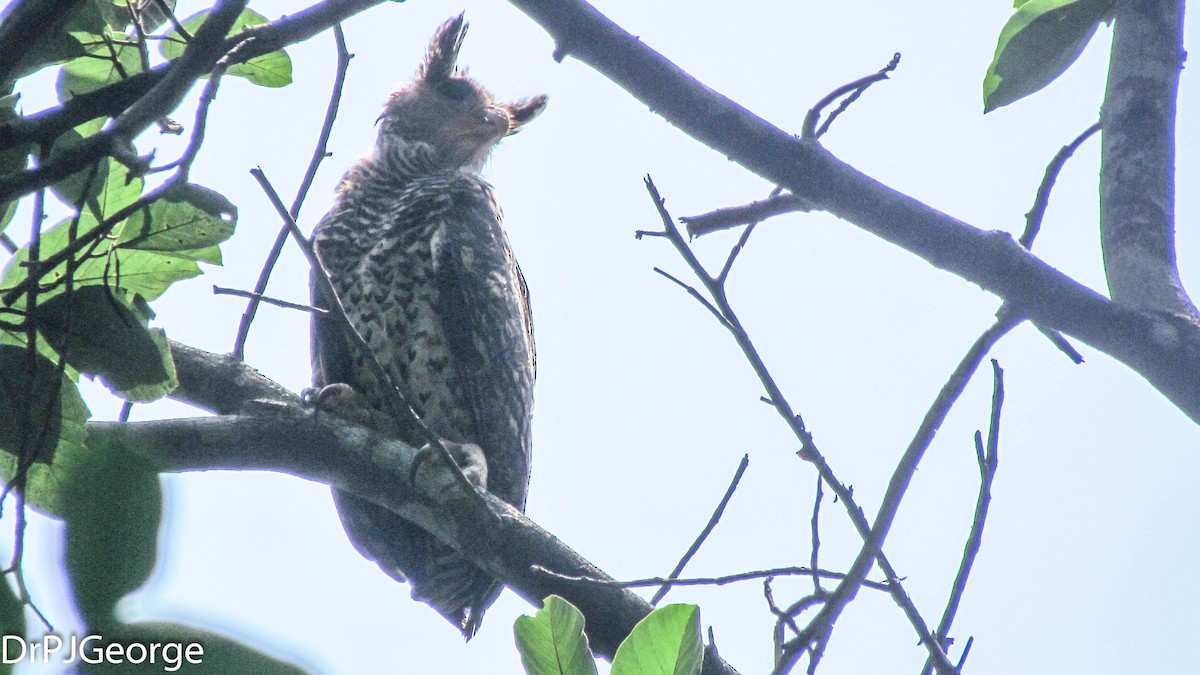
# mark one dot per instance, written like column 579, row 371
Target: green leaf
column 42, row 488
column 115, row 13
column 553, row 642
column 39, row 408
column 269, row 70
column 102, row 332
column 70, row 189
column 138, row 256
column 107, row 60
column 222, row 655
column 112, row 503
column 1041, row 40
column 190, row 218
column 666, row 642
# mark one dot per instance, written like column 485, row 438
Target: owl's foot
column 468, row 456
column 347, row 403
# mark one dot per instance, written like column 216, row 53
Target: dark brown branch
column 992, row 260
column 708, row 528
column 222, row 384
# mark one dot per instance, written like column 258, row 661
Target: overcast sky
column 645, row 405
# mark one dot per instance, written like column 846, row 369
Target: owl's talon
column 468, row 456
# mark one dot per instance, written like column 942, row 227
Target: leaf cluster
column 75, row 300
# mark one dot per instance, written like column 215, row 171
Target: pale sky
column 645, row 405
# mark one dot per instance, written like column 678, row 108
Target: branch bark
column 1164, row 348
column 1137, row 179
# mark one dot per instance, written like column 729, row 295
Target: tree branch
column 1165, row 349
column 1137, row 177
column 323, row 448
column 265, row 427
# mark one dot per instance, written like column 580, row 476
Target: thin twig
column 320, row 152
column 1033, row 219
column 709, row 581
column 795, row 422
column 708, row 528
column 809, row 131
column 988, row 462
column 220, row 290
column 7, row 243
column 902, row 476
column 815, row 530
column 691, row 290
column 782, row 620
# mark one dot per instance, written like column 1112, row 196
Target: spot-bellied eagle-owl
column 417, row 255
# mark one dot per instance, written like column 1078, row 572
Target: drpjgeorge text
column 94, row 650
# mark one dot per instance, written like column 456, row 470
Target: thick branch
column 291, row 439
column 1137, row 178
column 325, row 449
column 1163, row 349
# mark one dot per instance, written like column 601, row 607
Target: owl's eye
column 455, row 90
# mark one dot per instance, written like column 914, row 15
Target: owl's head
column 450, row 111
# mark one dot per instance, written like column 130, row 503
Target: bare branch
column 810, row 132
column 988, row 462
column 818, row 633
column 754, row 212
column 259, row 297
column 1033, row 219
column 902, row 475
column 992, row 260
column 715, row 581
column 708, row 528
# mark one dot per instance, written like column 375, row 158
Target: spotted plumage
column 416, row 253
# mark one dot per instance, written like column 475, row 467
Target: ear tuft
column 443, row 50
column 523, row 111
